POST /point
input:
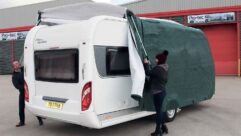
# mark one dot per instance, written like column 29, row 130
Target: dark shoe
column 40, row 122
column 156, row 133
column 20, row 124
column 164, row 129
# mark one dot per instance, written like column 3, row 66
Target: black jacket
column 18, row 80
column 158, row 78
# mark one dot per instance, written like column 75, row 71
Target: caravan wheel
column 170, row 115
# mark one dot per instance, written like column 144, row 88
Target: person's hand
column 146, row 61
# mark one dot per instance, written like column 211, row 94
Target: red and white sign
column 13, row 36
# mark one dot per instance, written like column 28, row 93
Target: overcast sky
column 14, row 3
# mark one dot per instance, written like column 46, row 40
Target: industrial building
column 219, row 20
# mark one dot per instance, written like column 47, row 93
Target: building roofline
column 16, row 29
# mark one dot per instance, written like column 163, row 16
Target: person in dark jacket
column 158, row 79
column 18, row 82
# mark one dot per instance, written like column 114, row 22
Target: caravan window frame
column 74, row 52
column 111, row 53
column 102, row 58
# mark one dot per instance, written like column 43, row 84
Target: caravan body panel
column 112, row 91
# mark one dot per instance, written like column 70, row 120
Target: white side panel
column 111, row 32
column 29, row 61
column 62, row 36
column 111, row 93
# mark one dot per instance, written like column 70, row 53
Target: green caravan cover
column 191, row 76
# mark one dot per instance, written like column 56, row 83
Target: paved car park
column 220, row 116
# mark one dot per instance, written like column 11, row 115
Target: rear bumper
column 87, row 119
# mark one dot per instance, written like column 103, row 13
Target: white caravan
column 79, row 73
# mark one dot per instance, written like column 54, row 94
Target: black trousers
column 158, row 100
column 21, row 106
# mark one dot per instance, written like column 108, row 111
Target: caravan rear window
column 57, row 65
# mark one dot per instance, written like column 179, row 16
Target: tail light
column 86, row 96
column 26, row 92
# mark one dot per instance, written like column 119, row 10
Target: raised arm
column 148, row 70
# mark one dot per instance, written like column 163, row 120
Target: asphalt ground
column 220, row 116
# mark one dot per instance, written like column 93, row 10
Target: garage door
column 223, row 41
column 6, row 55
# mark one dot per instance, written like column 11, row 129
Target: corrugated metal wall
column 18, row 49
column 152, row 6
column 6, row 54
column 27, row 15
column 5, row 57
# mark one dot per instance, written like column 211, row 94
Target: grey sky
column 14, row 3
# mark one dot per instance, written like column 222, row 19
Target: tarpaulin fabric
column 80, row 11
column 136, row 68
column 191, row 76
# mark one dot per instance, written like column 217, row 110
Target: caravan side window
column 117, row 61
column 112, row 61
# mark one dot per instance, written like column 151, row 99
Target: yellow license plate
column 55, row 105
